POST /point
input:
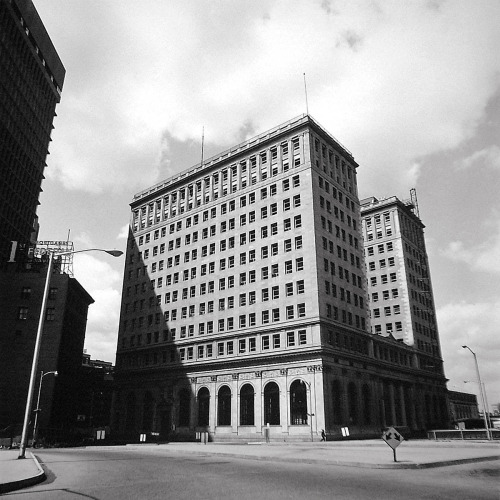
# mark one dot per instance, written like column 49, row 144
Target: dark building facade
column 244, row 306
column 61, row 348
column 31, row 79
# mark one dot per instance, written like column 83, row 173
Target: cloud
column 483, row 256
column 488, row 157
column 102, row 282
column 395, row 81
column 123, row 234
column 475, row 325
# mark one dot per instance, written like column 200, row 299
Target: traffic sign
column 393, row 438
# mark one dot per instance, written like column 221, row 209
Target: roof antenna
column 305, row 90
column 202, row 143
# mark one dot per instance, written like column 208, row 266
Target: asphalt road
column 149, row 474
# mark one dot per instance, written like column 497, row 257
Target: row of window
column 384, row 279
column 324, row 184
column 382, row 263
column 26, row 293
column 226, row 348
column 22, row 313
column 328, row 225
column 389, row 247
column 389, row 328
column 343, row 274
column 244, row 321
column 346, row 317
column 225, row 244
column 174, row 205
column 388, row 311
column 344, row 295
column 342, row 253
column 386, row 294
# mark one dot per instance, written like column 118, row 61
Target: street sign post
column 393, row 438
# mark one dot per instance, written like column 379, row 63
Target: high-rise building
column 244, row 307
column 31, row 79
column 399, row 282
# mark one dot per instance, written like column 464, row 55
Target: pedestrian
column 323, row 435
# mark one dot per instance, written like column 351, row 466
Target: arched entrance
column 298, row 403
column 203, row 407
column 247, row 405
column 272, row 404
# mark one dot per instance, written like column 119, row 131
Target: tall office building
column 244, row 307
column 31, row 79
column 399, row 281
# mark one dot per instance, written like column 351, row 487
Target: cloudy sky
column 411, row 87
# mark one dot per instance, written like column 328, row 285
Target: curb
column 24, row 483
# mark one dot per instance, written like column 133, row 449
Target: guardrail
column 462, row 434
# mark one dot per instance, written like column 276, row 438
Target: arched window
column 203, row 406
column 367, row 404
column 184, row 407
column 246, row 405
column 224, row 406
column 130, row 405
column 271, row 404
column 148, row 412
column 337, row 402
column 352, row 393
column 298, row 403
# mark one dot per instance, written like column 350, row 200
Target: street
column 150, row 473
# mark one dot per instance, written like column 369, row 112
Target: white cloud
column 123, row 234
column 475, row 325
column 488, row 157
column 395, row 81
column 102, row 282
column 482, row 256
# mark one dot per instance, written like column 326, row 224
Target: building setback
column 31, row 79
column 244, row 303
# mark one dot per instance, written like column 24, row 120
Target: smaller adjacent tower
column 399, row 282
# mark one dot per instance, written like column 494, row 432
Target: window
column 22, row 313
column 265, row 317
column 276, row 341
column 265, row 342
column 301, row 310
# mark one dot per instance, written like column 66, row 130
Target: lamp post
column 38, row 341
column 37, row 410
column 311, row 414
column 483, row 398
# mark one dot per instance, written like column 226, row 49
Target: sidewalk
column 18, row 473
column 374, row 454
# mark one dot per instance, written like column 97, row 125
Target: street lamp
column 31, row 389
column 483, row 398
column 37, row 410
column 310, row 408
